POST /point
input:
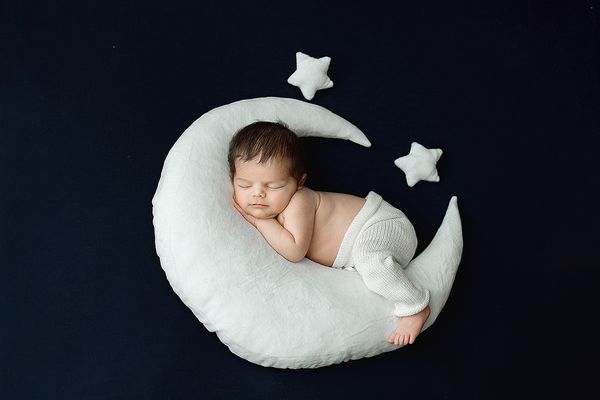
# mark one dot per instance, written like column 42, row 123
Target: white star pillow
column 419, row 164
column 310, row 74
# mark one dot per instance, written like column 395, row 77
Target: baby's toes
column 398, row 339
column 402, row 340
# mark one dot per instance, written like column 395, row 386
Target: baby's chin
column 261, row 214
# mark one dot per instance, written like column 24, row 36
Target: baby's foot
column 409, row 328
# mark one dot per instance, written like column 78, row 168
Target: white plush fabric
column 419, row 164
column 379, row 244
column 264, row 308
column 310, row 74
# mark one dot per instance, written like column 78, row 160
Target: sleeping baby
column 333, row 229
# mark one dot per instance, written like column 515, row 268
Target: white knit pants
column 379, row 244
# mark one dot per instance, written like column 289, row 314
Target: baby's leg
column 375, row 256
column 387, row 278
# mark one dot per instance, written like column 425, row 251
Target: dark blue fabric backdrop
column 93, row 96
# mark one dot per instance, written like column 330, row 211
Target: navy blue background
column 93, row 96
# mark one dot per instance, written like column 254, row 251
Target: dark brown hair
column 268, row 140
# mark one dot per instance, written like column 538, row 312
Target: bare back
column 334, row 212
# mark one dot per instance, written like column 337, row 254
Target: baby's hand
column 248, row 217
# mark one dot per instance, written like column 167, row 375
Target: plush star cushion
column 264, row 308
column 310, row 74
column 419, row 164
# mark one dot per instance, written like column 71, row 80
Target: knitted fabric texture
column 379, row 244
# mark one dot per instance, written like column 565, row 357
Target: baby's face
column 263, row 190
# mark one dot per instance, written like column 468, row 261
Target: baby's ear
column 302, row 180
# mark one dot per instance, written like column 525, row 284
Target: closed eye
column 270, row 187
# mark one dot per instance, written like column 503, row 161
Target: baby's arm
column 292, row 240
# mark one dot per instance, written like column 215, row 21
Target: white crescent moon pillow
column 266, row 309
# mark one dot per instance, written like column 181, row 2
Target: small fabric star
column 419, row 164
column 310, row 74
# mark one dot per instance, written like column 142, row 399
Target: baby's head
column 265, row 167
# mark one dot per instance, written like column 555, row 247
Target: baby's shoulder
column 304, row 199
column 303, row 202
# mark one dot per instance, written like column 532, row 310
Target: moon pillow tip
column 364, row 142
